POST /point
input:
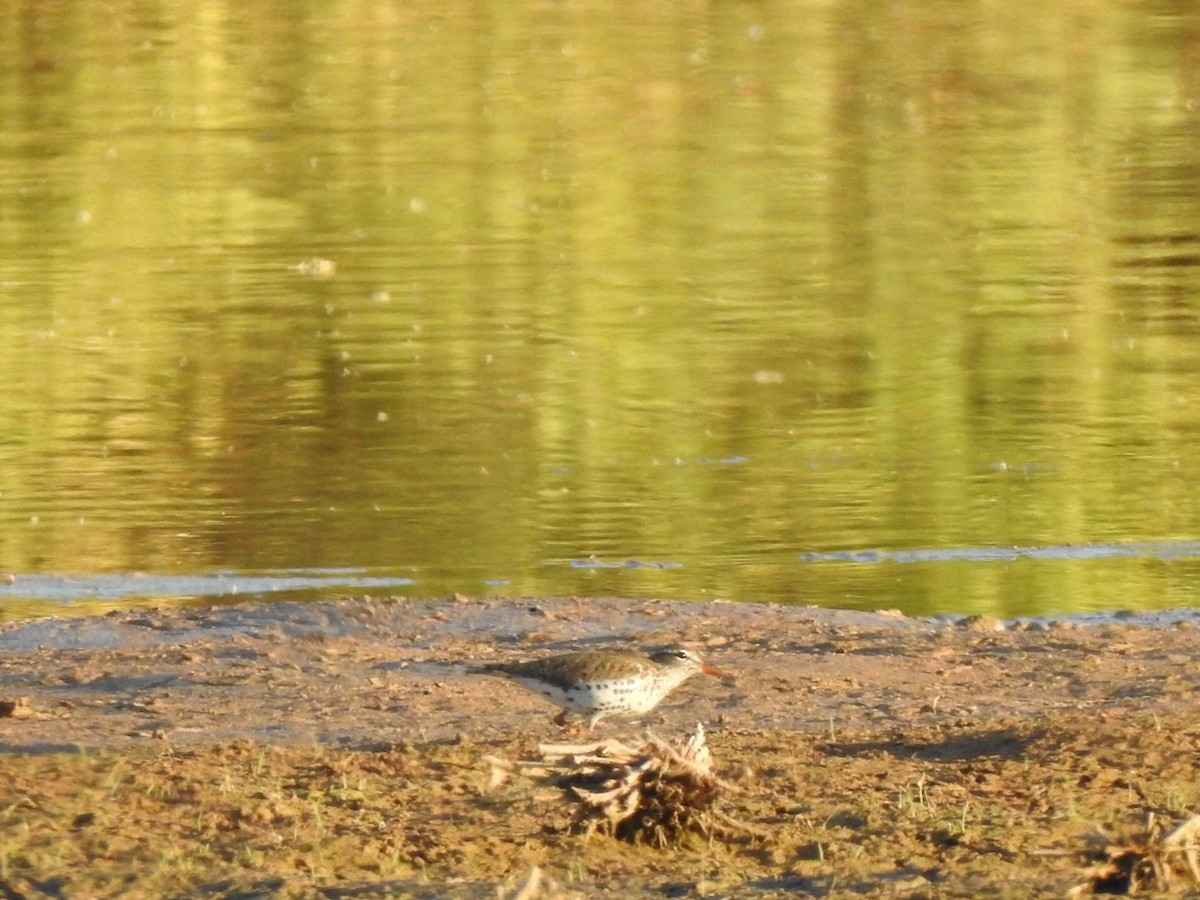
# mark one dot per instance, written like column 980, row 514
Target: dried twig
column 652, row 794
column 1147, row 862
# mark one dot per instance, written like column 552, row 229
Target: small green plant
column 576, row 870
column 962, row 818
column 913, row 797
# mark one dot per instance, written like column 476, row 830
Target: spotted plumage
column 602, row 683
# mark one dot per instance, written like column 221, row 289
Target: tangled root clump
column 654, row 794
column 1157, row 860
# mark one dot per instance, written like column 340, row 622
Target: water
column 681, row 302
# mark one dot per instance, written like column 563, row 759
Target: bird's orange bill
column 715, row 672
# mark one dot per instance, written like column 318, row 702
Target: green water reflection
column 709, row 285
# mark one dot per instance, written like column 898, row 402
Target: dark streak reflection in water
column 700, row 288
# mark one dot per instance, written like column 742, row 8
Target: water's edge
column 488, row 618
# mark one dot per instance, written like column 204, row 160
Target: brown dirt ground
column 340, row 750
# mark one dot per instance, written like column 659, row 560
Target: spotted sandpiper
column 602, row 683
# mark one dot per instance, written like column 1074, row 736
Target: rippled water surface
column 825, row 302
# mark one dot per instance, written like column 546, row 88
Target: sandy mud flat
column 339, row 749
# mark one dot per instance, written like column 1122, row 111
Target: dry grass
column 965, row 810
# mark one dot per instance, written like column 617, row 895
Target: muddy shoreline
column 337, row 749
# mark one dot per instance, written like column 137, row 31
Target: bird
column 602, row 683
